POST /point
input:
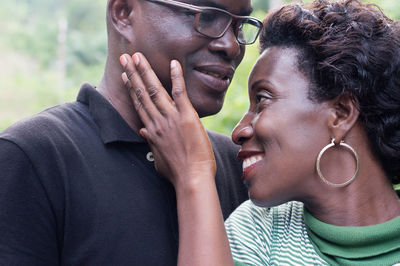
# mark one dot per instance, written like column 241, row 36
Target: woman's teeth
column 251, row 160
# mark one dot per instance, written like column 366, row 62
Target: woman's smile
column 250, row 162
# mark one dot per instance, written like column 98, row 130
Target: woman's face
column 282, row 132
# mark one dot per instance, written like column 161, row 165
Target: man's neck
column 114, row 91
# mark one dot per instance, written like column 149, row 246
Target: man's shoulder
column 218, row 136
column 221, row 142
column 50, row 122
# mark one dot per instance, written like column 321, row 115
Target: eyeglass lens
column 249, row 29
column 213, row 23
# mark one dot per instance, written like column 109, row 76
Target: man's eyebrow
column 244, row 12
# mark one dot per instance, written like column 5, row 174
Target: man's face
column 163, row 32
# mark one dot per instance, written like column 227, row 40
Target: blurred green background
column 48, row 48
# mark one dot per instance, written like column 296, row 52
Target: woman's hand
column 183, row 154
column 176, row 136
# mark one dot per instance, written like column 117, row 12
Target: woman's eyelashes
column 263, row 98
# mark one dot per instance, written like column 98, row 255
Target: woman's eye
column 259, row 98
column 263, row 99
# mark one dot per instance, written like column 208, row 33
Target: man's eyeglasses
column 214, row 22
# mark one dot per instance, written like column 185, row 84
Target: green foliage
column 31, row 81
column 87, row 40
column 390, row 7
column 261, row 5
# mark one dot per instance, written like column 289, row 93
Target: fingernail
column 124, row 76
column 173, row 64
column 136, row 59
column 123, row 60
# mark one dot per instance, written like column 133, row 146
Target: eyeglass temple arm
column 179, row 4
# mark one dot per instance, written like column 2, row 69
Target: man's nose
column 228, row 46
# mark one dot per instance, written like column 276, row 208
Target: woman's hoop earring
column 330, row 145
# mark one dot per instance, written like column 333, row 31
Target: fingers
column 153, row 86
column 144, row 133
column 178, row 87
column 136, row 95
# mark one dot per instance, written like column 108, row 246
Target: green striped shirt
column 270, row 236
column 286, row 235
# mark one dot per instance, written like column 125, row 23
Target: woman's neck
column 369, row 200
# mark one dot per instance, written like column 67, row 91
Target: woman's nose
column 243, row 130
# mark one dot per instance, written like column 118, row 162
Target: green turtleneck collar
column 366, row 245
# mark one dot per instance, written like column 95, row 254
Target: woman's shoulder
column 252, row 221
column 264, row 236
column 248, row 211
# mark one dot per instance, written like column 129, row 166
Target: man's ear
column 120, row 13
column 343, row 116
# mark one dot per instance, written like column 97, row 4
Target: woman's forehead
column 278, row 66
column 276, row 56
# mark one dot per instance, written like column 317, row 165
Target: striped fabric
column 270, row 236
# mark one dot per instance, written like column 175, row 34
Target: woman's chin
column 264, row 202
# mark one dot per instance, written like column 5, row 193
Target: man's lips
column 219, row 71
column 217, row 76
column 250, row 161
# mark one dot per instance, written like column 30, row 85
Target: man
column 78, row 184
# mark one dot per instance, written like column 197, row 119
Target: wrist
column 194, row 183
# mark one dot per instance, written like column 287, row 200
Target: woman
column 320, row 144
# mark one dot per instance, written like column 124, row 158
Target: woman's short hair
column 348, row 47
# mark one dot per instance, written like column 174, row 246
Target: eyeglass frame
column 199, row 9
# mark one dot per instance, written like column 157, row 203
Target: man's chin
column 208, row 110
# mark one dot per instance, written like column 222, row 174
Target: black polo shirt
column 77, row 188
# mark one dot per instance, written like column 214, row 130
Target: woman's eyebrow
column 255, row 84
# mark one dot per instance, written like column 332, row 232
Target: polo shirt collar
column 112, row 126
